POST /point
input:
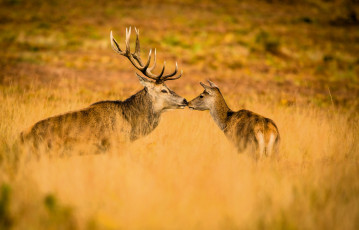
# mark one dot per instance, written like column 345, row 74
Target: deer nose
column 185, row 102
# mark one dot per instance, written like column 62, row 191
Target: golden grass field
column 294, row 62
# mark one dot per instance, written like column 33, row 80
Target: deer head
column 163, row 97
column 208, row 99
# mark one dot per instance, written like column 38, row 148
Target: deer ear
column 144, row 81
column 212, row 84
column 206, row 88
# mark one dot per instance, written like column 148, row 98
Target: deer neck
column 219, row 112
column 139, row 111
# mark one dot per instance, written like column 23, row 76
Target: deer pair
column 140, row 114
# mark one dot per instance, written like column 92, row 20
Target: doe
column 245, row 128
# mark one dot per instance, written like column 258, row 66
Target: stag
column 244, row 128
column 117, row 120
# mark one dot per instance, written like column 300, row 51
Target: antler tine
column 138, row 48
column 137, row 54
column 115, row 45
column 159, row 76
column 128, row 35
column 174, row 78
column 171, row 74
column 154, row 62
column 148, row 61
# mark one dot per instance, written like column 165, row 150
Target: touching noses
column 185, row 102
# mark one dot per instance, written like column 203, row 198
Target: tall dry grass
column 184, row 175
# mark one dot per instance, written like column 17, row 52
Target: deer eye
column 201, row 96
column 164, row 91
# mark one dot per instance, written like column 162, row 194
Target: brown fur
column 244, row 127
column 99, row 124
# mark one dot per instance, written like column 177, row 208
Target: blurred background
column 294, row 52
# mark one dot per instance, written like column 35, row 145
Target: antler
column 135, row 59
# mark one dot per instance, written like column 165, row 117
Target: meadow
column 293, row 61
